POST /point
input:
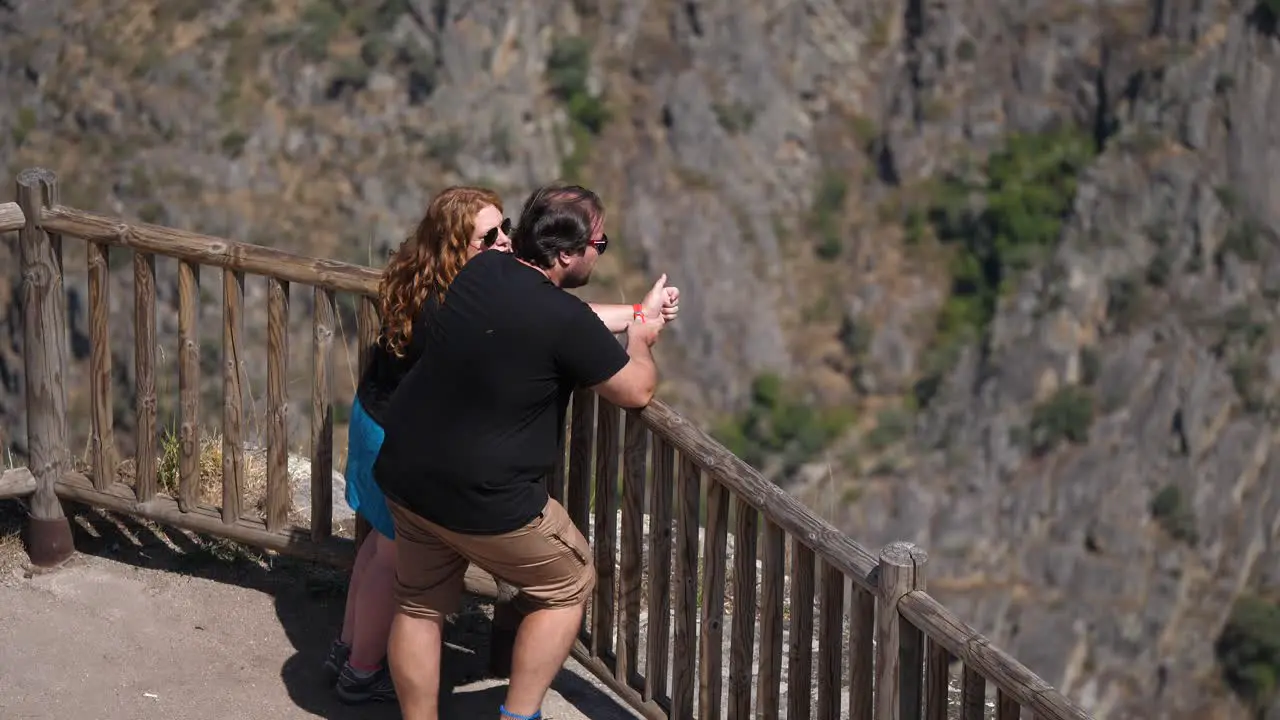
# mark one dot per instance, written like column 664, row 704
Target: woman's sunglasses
column 491, row 237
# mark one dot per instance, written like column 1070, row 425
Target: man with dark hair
column 476, row 426
column 555, row 216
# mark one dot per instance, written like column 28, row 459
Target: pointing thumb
column 662, row 283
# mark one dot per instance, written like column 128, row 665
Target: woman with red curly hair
column 460, row 223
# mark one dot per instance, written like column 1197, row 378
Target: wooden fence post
column 44, row 336
column 899, row 646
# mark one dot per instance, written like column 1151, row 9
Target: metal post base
column 49, row 542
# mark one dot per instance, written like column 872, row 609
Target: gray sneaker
column 354, row 690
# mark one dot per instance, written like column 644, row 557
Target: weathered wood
column 897, row 686
column 911, row 667
column 44, row 333
column 578, row 484
column 830, row 642
column 368, row 326
column 742, row 630
column 937, row 680
column 214, row 251
column 16, row 483
column 582, row 438
column 1006, row 707
column 648, row 709
column 973, row 691
column 762, row 494
column 293, row 541
column 774, row 558
column 322, row 325
column 659, row 632
column 685, row 654
column 232, row 396
column 278, row 491
column 711, row 643
column 1023, row 686
column 102, row 441
column 605, row 499
column 188, row 384
column 634, row 465
column 800, row 640
column 144, row 362
column 11, row 217
column 862, row 631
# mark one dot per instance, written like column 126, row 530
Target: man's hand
column 661, row 301
column 646, row 332
column 671, row 305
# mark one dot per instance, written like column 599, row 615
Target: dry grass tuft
column 209, row 490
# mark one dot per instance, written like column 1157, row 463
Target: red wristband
column 637, row 312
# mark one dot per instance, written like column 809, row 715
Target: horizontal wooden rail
column 210, row 250
column 296, row 541
column 778, row 506
column 11, row 217
column 1012, row 677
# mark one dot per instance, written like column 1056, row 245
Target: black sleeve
column 585, row 350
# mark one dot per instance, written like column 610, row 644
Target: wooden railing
column 817, row 625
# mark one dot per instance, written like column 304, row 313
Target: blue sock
column 507, row 713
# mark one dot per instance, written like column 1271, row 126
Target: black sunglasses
column 491, row 237
column 602, row 244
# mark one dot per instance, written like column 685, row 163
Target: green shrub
column 1271, row 8
column 1067, row 415
column 828, row 204
column 1248, row 650
column 775, row 424
column 1171, row 510
column 891, row 426
column 568, row 66
column 321, row 20
column 1026, row 191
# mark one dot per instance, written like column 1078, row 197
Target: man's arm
column 614, row 317
column 634, row 385
column 590, row 355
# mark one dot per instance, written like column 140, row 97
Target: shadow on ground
column 308, row 601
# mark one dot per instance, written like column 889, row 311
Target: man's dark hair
column 556, row 219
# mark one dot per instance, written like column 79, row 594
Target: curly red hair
column 428, row 261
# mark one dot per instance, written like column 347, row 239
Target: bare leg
column 376, row 604
column 414, row 655
column 363, row 557
column 542, row 645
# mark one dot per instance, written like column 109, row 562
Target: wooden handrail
column 211, row 250
column 945, row 627
column 777, row 505
column 11, row 217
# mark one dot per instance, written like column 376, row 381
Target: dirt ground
column 146, row 622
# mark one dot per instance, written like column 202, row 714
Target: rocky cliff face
column 1031, row 244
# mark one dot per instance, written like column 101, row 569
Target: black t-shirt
column 476, row 424
column 385, row 371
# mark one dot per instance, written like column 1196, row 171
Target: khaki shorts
column 548, row 559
